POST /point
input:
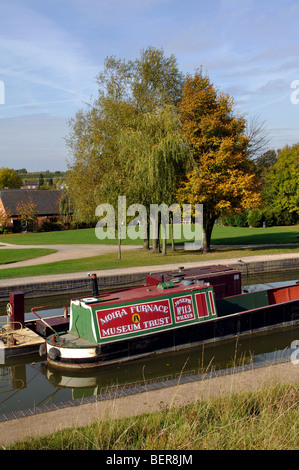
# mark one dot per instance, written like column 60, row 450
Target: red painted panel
column 131, row 319
column 201, row 303
column 212, row 303
column 283, row 294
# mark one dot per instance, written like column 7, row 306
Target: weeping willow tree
column 85, row 170
column 157, row 155
column 96, row 174
column 128, row 141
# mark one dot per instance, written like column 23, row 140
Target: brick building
column 46, row 204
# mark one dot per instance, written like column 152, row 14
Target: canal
column 29, row 383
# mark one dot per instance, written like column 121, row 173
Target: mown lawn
column 137, row 258
column 276, row 237
column 8, row 256
column 221, row 236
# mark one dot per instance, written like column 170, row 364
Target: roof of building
column 25, row 183
column 46, row 201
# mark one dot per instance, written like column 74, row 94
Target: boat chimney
column 94, row 284
column 16, row 310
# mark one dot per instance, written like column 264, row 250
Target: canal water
column 29, row 383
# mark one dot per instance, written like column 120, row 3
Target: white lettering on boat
column 149, row 308
column 113, row 315
column 183, row 308
column 130, row 319
column 157, row 322
column 119, row 330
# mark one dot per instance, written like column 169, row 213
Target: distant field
column 221, row 236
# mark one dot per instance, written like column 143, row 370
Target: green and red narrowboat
column 161, row 316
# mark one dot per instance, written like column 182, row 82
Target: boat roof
column 193, row 273
column 142, row 293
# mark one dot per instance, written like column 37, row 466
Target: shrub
column 284, row 218
column 238, row 220
column 49, row 226
column 269, row 217
column 255, row 218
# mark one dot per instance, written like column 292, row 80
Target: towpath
column 146, row 402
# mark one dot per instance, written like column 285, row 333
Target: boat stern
column 68, row 351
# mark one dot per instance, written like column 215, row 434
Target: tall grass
column 266, row 419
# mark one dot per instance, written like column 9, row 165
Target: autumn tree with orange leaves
column 27, row 212
column 222, row 178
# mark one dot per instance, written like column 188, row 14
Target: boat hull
column 216, row 329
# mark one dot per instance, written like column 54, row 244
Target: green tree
column 111, row 141
column 156, row 80
column 282, row 182
column 266, row 160
column 9, row 179
column 223, row 177
column 41, row 180
column 86, row 168
column 96, row 173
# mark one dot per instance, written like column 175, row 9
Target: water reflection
column 28, row 385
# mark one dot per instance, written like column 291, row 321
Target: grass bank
column 8, row 256
column 263, row 420
column 227, row 242
column 136, row 259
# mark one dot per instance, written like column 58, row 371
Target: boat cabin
column 141, row 310
column 225, row 280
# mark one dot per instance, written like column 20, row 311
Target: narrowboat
column 165, row 315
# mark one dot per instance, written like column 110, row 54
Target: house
column 29, row 185
column 45, row 203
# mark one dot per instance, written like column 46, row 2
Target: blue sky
column 51, row 52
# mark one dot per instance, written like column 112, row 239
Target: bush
column 255, row 218
column 239, row 220
column 284, row 218
column 269, row 217
column 49, row 226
